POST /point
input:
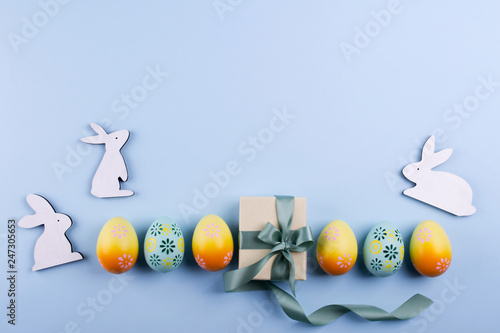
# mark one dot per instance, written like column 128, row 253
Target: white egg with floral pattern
column 383, row 251
column 164, row 245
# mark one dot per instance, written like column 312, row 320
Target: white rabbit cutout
column 112, row 169
column 53, row 247
column 443, row 190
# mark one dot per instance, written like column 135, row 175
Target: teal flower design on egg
column 167, row 246
column 376, row 264
column 177, row 260
column 154, row 260
column 176, row 230
column 379, row 233
column 390, row 252
column 156, row 229
column 397, row 266
column 398, row 236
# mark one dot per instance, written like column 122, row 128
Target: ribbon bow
column 281, row 243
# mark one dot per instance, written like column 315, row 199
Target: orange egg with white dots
column 212, row 243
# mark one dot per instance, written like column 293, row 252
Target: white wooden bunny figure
column 106, row 181
column 53, row 247
column 443, row 190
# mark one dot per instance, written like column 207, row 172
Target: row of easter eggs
column 383, row 249
column 336, row 251
column 118, row 245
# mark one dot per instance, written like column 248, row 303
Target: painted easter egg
column 117, row 246
column 337, row 249
column 164, row 245
column 383, row 251
column 212, row 243
column 430, row 249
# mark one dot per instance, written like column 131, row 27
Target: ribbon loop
column 270, row 235
column 301, row 240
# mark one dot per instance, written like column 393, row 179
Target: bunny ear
column 98, row 129
column 39, row 204
column 95, row 140
column 30, row 221
column 429, row 148
column 440, row 157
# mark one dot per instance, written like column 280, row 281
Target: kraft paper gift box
column 255, row 212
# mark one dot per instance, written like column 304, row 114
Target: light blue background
column 356, row 124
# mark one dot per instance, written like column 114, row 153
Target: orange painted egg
column 337, row 249
column 117, row 246
column 430, row 249
column 212, row 243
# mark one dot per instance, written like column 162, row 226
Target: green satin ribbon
column 329, row 313
column 282, row 243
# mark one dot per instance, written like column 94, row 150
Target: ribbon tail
column 291, row 279
column 235, row 280
column 327, row 314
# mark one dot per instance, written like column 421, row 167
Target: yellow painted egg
column 430, row 249
column 117, row 246
column 337, row 249
column 212, row 243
